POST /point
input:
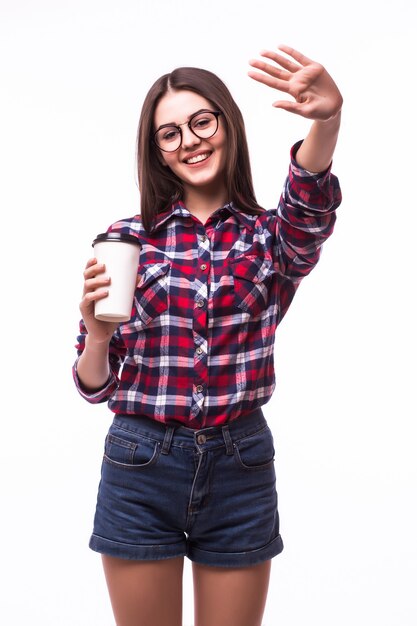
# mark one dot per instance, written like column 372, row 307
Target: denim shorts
column 208, row 494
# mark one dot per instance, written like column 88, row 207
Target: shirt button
column 199, row 350
column 204, row 238
column 201, row 439
column 203, row 266
column 200, row 303
column 199, row 388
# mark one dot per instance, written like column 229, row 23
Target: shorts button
column 201, row 439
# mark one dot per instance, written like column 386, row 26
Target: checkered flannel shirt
column 199, row 347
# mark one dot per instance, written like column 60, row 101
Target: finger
column 96, row 281
column 92, row 284
column 295, row 54
column 294, row 107
column 275, row 83
column 93, row 296
column 270, row 69
column 281, row 60
column 286, row 104
column 91, row 262
column 94, row 269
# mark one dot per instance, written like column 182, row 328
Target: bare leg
column 225, row 596
column 145, row 593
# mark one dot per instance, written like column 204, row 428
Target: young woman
column 188, row 463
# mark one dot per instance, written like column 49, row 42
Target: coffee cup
column 120, row 254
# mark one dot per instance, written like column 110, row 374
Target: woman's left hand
column 315, row 93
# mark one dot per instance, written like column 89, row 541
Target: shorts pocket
column 252, row 277
column 255, row 452
column 136, row 454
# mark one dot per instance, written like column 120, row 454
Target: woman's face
column 199, row 163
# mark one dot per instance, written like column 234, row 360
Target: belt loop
column 169, row 433
column 227, row 440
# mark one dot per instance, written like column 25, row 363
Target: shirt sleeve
column 117, row 352
column 305, row 218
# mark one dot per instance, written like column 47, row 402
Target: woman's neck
column 202, row 203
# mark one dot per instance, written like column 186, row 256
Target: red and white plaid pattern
column 199, row 346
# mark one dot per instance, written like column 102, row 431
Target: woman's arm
column 316, row 152
column 316, row 97
column 93, row 368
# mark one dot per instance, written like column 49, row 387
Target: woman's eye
column 201, row 122
column 170, row 135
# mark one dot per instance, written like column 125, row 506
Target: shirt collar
column 244, row 218
column 177, row 208
column 180, row 210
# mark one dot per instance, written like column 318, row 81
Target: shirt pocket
column 252, row 276
column 151, row 296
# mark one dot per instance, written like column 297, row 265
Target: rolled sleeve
column 306, row 217
column 100, row 395
column 311, row 191
column 117, row 351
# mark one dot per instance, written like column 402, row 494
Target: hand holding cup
column 110, row 283
column 96, row 287
column 119, row 252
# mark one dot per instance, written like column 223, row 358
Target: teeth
column 197, row 159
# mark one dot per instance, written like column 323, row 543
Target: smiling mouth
column 198, row 159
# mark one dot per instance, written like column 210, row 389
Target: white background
column 73, row 77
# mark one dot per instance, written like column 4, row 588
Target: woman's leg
column 145, row 593
column 225, row 596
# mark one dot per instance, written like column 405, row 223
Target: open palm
column 316, row 95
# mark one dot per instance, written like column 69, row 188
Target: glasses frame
column 178, row 127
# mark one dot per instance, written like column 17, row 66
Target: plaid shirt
column 199, row 347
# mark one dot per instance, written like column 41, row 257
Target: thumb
column 287, row 105
column 298, row 108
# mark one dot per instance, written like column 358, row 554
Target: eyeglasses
column 203, row 124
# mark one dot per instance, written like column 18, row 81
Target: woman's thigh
column 225, row 596
column 145, row 593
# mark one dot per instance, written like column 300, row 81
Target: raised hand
column 316, row 95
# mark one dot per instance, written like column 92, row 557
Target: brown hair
column 158, row 185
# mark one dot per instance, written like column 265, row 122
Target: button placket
column 200, row 322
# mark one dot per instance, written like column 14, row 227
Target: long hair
column 158, row 185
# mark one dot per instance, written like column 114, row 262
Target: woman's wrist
column 316, row 152
column 93, row 365
column 98, row 345
column 332, row 123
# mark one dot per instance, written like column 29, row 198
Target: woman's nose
column 188, row 138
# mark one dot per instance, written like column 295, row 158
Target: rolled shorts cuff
column 236, row 559
column 173, row 550
column 137, row 552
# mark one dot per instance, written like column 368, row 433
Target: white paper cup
column 120, row 254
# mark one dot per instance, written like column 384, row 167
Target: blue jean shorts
column 207, row 494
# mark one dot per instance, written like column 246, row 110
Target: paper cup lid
column 118, row 237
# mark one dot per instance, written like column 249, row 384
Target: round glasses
column 203, row 124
